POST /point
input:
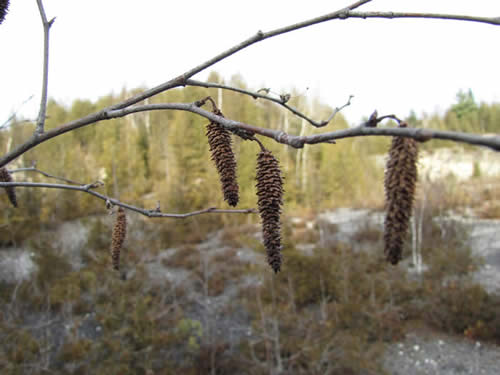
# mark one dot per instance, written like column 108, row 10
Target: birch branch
column 7, row 122
column 149, row 213
column 421, row 135
column 279, row 136
column 258, row 37
column 391, row 15
column 342, row 14
column 45, row 81
column 34, row 169
column 256, row 95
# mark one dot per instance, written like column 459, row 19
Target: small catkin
column 400, row 181
column 118, row 237
column 4, row 7
column 270, row 199
column 10, row 190
column 219, row 140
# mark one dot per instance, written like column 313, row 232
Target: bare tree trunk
column 219, row 99
column 305, row 174
column 414, row 241
column 116, row 191
column 210, row 314
column 148, row 117
column 166, row 153
column 416, row 232
column 286, row 126
column 419, row 232
column 298, row 160
column 301, row 155
column 276, row 332
column 305, row 152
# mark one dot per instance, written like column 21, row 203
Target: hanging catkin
column 219, row 140
column 399, row 180
column 4, row 7
column 11, row 192
column 270, row 199
column 118, row 237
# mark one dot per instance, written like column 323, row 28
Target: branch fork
column 245, row 131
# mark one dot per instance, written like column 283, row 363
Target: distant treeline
column 164, row 156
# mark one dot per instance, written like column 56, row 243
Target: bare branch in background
column 34, row 169
column 149, row 213
column 337, row 110
column 419, row 134
column 7, row 122
column 277, row 135
column 181, row 80
column 280, row 101
column 258, row 37
column 45, row 81
column 391, row 15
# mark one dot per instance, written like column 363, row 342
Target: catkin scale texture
column 4, row 7
column 270, row 199
column 400, row 182
column 118, row 237
column 219, row 140
column 11, row 192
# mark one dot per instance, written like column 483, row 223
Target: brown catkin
column 118, row 237
column 400, row 180
column 270, row 199
column 219, row 140
column 4, row 7
column 11, row 192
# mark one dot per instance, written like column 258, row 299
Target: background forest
column 163, row 155
column 333, row 309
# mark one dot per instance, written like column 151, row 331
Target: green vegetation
column 163, row 156
column 332, row 305
column 335, row 305
column 465, row 115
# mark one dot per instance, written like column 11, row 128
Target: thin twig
column 45, row 81
column 260, row 36
column 149, row 213
column 391, row 15
column 262, row 148
column 34, row 169
column 418, row 134
column 285, row 138
column 279, row 136
column 256, row 95
column 338, row 109
column 7, row 122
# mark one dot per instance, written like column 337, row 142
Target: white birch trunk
column 219, row 99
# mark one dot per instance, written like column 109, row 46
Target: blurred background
column 195, row 295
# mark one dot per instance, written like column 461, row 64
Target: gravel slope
column 439, row 354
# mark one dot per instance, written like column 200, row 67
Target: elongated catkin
column 400, row 181
column 10, row 190
column 219, row 140
column 4, row 7
column 270, row 199
column 118, row 237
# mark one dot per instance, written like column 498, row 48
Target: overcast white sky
column 99, row 47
